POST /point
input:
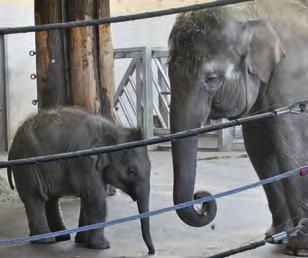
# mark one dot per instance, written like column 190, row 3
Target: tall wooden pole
column 52, row 88
column 89, row 59
column 106, row 85
column 82, row 55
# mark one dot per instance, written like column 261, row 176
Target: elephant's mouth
column 132, row 195
column 220, row 110
column 134, row 198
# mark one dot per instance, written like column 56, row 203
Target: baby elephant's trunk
column 143, row 206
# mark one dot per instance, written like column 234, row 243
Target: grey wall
column 21, row 89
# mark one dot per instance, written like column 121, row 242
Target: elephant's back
column 57, row 130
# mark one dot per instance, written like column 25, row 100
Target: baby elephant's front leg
column 94, row 204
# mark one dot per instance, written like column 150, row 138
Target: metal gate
column 142, row 97
column 3, row 94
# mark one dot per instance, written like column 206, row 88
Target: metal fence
column 142, row 97
column 3, row 95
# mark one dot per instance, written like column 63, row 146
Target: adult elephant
column 235, row 61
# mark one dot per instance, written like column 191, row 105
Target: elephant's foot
column 98, row 244
column 298, row 241
column 63, row 238
column 274, row 230
column 81, row 237
column 48, row 240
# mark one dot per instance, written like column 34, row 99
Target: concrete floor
column 241, row 218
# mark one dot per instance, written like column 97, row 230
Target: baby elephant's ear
column 134, row 134
column 101, row 161
column 264, row 48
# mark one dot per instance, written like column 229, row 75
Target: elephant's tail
column 10, row 178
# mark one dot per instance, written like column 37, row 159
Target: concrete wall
column 22, row 90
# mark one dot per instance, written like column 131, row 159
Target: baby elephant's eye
column 131, row 172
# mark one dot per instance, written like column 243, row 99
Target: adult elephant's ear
column 264, row 48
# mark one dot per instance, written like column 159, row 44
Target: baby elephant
column 41, row 185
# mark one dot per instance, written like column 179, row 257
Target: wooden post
column 82, row 51
column 89, row 55
column 52, row 87
column 106, row 73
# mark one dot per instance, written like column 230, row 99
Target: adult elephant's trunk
column 187, row 111
column 143, row 196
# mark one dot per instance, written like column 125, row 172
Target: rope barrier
column 300, row 171
column 298, row 107
column 117, row 19
column 254, row 245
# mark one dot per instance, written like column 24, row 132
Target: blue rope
column 301, row 171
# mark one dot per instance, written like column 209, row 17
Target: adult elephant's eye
column 211, row 78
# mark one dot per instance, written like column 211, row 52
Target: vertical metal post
column 139, row 93
column 163, row 110
column 147, row 93
column 3, row 102
column 225, row 139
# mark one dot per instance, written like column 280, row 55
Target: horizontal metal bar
column 133, row 52
column 124, row 18
column 152, row 141
column 160, row 53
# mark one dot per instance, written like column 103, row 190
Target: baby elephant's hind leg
column 54, row 218
column 82, row 237
column 35, row 209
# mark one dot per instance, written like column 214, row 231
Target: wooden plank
column 3, row 102
column 106, row 73
column 52, row 87
column 82, row 52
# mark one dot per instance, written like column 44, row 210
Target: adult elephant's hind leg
column 54, row 218
column 261, row 152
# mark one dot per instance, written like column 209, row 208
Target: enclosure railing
column 3, row 95
column 142, row 96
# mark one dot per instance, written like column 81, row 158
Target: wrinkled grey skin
column 222, row 67
column 41, row 186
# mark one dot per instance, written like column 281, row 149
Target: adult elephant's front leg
column 290, row 141
column 94, row 205
column 261, row 152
